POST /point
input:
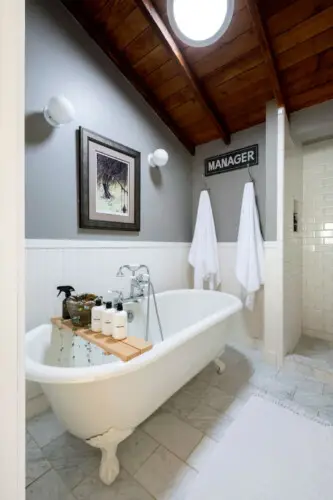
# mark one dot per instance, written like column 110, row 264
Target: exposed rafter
column 125, row 67
column 202, row 96
column 267, row 52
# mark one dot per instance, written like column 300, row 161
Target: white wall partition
column 318, row 240
column 283, row 271
column 292, row 243
column 273, row 307
column 12, row 437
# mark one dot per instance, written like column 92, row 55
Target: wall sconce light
column 59, row 111
column 159, row 158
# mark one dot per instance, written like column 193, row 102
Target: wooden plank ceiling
column 280, row 49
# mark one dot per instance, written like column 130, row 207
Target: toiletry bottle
column 107, row 319
column 96, row 316
column 67, row 291
column 120, row 323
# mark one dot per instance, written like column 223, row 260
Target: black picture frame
column 88, row 139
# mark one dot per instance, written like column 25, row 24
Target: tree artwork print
column 112, row 185
column 109, row 184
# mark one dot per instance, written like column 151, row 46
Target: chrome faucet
column 138, row 281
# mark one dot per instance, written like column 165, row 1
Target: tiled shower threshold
column 313, row 357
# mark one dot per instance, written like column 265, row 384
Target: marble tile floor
column 164, row 455
column 314, row 358
column 316, row 349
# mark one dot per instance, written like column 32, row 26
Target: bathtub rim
column 46, row 374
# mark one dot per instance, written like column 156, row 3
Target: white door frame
column 12, row 393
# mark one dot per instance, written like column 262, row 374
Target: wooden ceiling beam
column 126, row 69
column 151, row 14
column 267, row 53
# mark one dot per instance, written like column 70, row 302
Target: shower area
column 313, row 236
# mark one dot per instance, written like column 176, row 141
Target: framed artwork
column 109, row 177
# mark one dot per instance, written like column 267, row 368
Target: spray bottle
column 67, row 291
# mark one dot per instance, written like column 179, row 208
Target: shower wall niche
column 317, row 317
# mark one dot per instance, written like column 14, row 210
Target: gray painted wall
column 226, row 190
column 61, row 58
column 314, row 123
column 271, row 170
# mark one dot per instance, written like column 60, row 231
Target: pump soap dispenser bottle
column 67, row 291
column 96, row 316
column 120, row 323
column 107, row 319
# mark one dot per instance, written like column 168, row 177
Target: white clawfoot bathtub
column 101, row 399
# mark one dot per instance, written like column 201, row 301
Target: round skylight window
column 200, row 22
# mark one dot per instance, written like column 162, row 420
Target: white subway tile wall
column 318, row 240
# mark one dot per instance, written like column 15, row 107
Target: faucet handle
column 120, row 294
column 143, row 278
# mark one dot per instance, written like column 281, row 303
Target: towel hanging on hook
column 255, row 195
column 250, row 175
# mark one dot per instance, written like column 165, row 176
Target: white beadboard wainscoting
column 91, row 266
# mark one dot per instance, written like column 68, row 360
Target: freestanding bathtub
column 101, row 399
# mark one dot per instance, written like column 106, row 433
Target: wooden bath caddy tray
column 126, row 349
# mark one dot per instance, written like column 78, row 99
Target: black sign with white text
column 241, row 158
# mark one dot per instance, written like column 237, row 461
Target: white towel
column 203, row 255
column 250, row 248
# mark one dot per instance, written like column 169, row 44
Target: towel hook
column 249, row 172
column 205, row 188
column 255, row 194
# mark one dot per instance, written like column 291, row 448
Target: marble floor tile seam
column 93, row 474
column 168, row 451
column 96, row 471
column 185, row 421
column 160, row 446
column 138, row 482
column 53, row 440
column 39, row 477
column 315, row 362
column 297, row 376
column 150, row 454
column 222, row 413
column 157, row 451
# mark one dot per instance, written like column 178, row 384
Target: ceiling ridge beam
column 126, row 69
column 268, row 53
column 150, row 12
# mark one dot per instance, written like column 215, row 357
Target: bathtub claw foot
column 220, row 365
column 108, row 443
